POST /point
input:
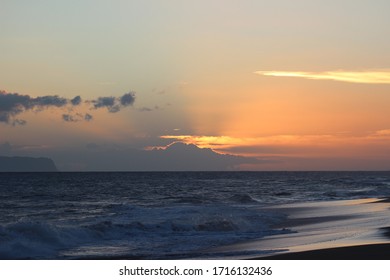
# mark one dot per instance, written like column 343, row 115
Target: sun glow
column 227, row 144
column 286, row 145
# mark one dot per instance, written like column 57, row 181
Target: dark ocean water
column 157, row 215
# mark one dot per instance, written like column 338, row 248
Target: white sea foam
column 136, row 232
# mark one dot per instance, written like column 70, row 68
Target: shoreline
column 355, row 229
column 357, row 252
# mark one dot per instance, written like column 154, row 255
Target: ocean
column 158, row 215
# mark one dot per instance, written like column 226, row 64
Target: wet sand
column 360, row 252
column 326, row 230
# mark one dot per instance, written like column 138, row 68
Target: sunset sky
column 298, row 85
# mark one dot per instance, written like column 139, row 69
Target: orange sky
column 291, row 82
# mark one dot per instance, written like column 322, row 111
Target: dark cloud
column 88, row 117
column 77, row 118
column 127, row 99
column 147, row 109
column 104, row 102
column 69, row 118
column 112, row 157
column 15, row 103
column 273, row 150
column 50, row 100
column 76, row 101
column 12, row 104
column 114, row 104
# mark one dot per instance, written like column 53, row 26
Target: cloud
column 256, row 146
column 50, row 100
column 148, row 109
column 349, row 145
column 13, row 104
column 364, row 77
column 127, row 99
column 176, row 157
column 69, row 118
column 77, row 118
column 88, row 117
column 76, row 101
column 104, row 102
column 114, row 104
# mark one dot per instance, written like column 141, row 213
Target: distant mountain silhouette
column 175, row 157
column 26, row 164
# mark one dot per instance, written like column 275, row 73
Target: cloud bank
column 112, row 157
column 13, row 104
column 364, row 77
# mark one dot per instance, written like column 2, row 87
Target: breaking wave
column 135, row 232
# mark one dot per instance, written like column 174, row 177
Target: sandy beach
column 329, row 230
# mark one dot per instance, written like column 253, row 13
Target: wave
column 242, row 198
column 136, row 233
column 27, row 239
column 155, row 215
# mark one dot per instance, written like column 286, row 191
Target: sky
column 289, row 85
